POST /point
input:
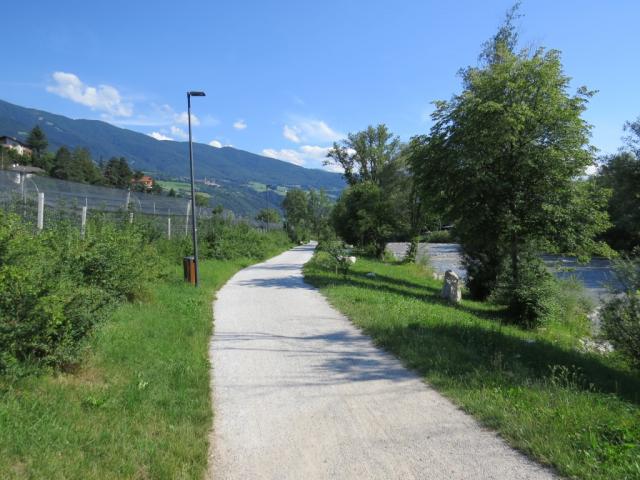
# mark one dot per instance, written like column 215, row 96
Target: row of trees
column 77, row 165
column 307, row 214
column 505, row 161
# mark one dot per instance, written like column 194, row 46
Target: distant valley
column 240, row 177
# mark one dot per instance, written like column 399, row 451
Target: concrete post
column 40, row 210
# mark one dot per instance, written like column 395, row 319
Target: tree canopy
column 504, row 158
column 364, row 155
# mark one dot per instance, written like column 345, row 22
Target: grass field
column 576, row 412
column 261, row 187
column 138, row 405
column 177, row 186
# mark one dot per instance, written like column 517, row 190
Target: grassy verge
column 578, row 412
column 138, row 406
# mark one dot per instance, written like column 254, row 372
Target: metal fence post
column 40, row 210
column 169, row 228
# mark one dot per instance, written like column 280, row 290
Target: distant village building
column 145, row 180
column 210, row 182
column 15, row 144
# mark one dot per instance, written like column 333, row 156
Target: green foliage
column 268, row 215
column 364, row 215
column 364, row 156
column 530, row 297
column 336, row 256
column 621, row 174
column 504, row 158
column 223, row 239
column 117, row 173
column 54, row 286
column 76, row 166
column 139, row 395
column 440, row 236
column 307, row 214
column 202, row 200
column 621, row 314
column 37, row 141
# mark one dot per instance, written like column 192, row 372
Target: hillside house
column 14, row 144
column 145, row 180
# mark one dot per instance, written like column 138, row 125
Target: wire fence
column 43, row 201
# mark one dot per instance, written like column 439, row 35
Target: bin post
column 189, row 267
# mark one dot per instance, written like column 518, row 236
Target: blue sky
column 286, row 78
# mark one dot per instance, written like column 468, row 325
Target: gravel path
column 300, row 393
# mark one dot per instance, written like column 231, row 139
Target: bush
column 337, row 256
column 440, row 236
column 532, row 298
column 225, row 240
column 55, row 286
column 621, row 314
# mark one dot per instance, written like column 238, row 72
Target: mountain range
column 232, row 168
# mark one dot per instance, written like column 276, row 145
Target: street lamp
column 194, row 226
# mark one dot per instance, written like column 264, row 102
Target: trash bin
column 189, row 266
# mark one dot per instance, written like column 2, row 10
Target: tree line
column 76, row 165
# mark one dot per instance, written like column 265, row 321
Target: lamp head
column 196, row 94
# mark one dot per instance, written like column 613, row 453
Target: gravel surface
column 300, row 393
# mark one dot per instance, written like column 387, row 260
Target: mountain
column 166, row 159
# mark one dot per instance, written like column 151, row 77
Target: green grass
column 137, row 406
column 577, row 412
column 177, row 186
column 261, row 187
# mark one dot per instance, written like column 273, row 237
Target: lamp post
column 194, row 225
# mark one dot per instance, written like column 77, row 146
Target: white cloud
column 240, row 125
column 290, row 134
column 104, row 98
column 183, row 119
column 311, row 156
column 287, row 155
column 159, row 136
column 178, row 132
column 310, row 130
column 215, row 143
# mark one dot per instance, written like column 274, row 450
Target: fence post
column 128, row 199
column 40, row 210
column 130, row 217
column 83, row 221
column 169, row 228
column 186, row 223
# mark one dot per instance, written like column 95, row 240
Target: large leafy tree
column 296, row 212
column 374, row 168
column 319, row 210
column 505, row 156
column 366, row 155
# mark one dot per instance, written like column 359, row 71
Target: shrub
column 440, row 236
column 337, row 255
column 532, row 298
column 55, row 286
column 226, row 240
column 621, row 314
